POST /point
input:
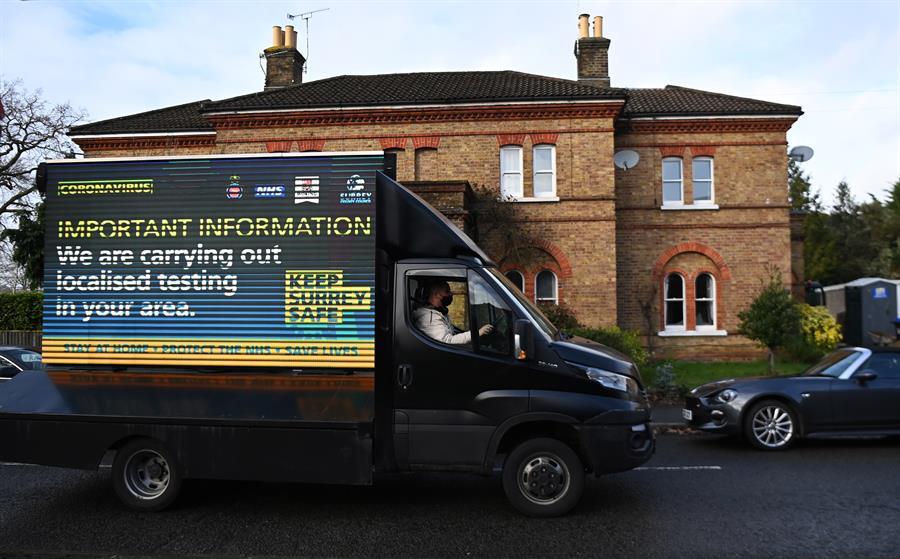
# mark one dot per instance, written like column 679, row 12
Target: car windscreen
column 833, row 364
column 26, row 359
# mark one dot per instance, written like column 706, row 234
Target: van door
column 455, row 376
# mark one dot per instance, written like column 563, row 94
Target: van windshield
column 536, row 315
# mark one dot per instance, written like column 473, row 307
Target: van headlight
column 612, row 380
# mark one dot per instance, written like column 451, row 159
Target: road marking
column 14, row 464
column 677, row 468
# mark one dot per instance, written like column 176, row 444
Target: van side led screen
column 236, row 261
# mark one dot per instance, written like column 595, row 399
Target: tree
column 800, row 189
column 772, row 319
column 31, row 130
column 28, row 245
column 498, row 226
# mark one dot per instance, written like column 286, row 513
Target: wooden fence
column 21, row 338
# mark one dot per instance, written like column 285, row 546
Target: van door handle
column 404, row 376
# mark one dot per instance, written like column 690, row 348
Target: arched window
column 517, row 278
column 705, row 301
column 674, row 302
column 673, row 182
column 545, row 288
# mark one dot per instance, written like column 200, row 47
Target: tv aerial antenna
column 305, row 17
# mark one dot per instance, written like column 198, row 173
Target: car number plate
column 687, row 414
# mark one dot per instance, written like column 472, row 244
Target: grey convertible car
column 852, row 391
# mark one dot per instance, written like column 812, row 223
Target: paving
column 700, row 496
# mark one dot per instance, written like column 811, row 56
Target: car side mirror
column 524, row 340
column 864, row 376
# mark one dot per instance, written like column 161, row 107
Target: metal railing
column 22, row 338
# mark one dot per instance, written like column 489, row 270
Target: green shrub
column 21, row 311
column 562, row 316
column 626, row 341
column 772, row 319
column 818, row 334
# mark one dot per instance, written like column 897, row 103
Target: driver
column 432, row 318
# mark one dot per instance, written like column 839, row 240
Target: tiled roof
column 682, row 101
column 417, row 89
column 438, row 88
column 180, row 118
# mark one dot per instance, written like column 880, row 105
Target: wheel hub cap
column 544, row 479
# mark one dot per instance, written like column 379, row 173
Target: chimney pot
column 290, row 37
column 598, row 26
column 277, row 36
column 583, row 25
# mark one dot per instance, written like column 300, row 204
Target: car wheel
column 145, row 475
column 543, row 477
column 771, row 425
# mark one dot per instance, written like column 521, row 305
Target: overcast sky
column 839, row 60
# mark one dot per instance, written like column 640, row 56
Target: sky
column 838, row 60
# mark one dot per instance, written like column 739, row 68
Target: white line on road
column 14, row 464
column 677, row 468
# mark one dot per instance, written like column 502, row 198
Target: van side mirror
column 864, row 376
column 524, row 340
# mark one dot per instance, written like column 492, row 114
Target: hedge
column 21, row 310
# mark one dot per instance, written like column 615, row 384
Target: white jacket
column 437, row 325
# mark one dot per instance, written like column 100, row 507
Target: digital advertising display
column 238, row 261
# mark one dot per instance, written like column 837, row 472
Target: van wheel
column 543, row 477
column 145, row 475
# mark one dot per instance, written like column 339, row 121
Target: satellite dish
column 801, row 153
column 626, row 159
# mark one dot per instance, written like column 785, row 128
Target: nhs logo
column 269, row 191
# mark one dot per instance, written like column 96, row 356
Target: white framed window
column 674, row 302
column 705, row 301
column 673, row 182
column 511, row 172
column 702, row 179
column 544, row 166
column 517, row 278
column 546, row 289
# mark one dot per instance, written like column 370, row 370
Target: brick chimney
column 284, row 63
column 592, row 53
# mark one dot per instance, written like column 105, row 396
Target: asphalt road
column 701, row 496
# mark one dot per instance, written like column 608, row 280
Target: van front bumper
column 618, row 447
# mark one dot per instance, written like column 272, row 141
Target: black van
column 463, row 373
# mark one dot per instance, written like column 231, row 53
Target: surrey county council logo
column 234, row 190
column 269, row 191
column 306, row 189
column 356, row 186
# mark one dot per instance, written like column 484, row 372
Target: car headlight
column 612, row 380
column 727, row 395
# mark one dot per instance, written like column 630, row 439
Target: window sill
column 689, row 207
column 691, row 333
column 538, row 199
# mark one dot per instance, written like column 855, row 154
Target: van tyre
column 543, row 477
column 771, row 425
column 146, row 476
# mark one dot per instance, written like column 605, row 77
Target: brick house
column 673, row 247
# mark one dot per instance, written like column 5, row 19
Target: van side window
column 489, row 310
column 439, row 308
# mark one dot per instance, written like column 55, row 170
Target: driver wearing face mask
column 432, row 318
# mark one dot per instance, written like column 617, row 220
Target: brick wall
column 739, row 244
